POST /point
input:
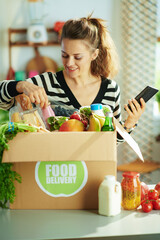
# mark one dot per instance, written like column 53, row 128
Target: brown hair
column 95, row 32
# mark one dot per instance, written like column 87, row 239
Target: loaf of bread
column 24, row 101
column 28, row 117
column 15, row 117
column 33, row 118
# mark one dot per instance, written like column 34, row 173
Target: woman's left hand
column 135, row 114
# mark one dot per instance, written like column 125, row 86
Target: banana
column 101, row 119
column 94, row 124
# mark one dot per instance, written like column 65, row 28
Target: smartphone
column 147, row 93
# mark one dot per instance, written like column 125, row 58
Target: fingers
column 36, row 94
column 39, row 96
column 143, row 104
column 131, row 108
column 32, row 98
column 45, row 97
column 127, row 109
column 135, row 106
column 135, row 111
column 36, row 98
column 139, row 107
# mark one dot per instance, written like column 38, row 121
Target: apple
column 72, row 125
column 144, row 190
column 157, row 187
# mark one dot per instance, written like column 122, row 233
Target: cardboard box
column 63, row 170
column 97, row 150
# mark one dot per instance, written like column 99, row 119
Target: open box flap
column 128, row 139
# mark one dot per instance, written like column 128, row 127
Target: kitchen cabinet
column 14, row 34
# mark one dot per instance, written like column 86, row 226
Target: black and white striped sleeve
column 7, row 93
column 117, row 111
column 44, row 80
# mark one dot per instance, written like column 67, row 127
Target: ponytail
column 107, row 62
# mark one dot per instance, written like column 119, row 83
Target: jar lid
column 131, row 174
column 96, row 106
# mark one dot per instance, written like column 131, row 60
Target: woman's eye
column 78, row 58
column 64, row 56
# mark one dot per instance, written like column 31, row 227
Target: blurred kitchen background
column 29, row 32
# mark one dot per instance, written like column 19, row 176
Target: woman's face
column 76, row 57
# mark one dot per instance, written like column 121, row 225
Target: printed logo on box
column 61, row 179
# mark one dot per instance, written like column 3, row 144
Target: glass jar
column 131, row 190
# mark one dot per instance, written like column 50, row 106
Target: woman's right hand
column 36, row 94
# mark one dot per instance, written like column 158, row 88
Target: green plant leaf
column 8, row 177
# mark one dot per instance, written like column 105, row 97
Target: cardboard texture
column 96, row 152
column 97, row 149
column 61, row 146
column 30, row 196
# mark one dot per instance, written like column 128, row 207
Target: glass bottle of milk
column 109, row 196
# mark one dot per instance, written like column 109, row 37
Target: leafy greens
column 7, row 176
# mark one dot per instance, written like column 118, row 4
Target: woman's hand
column 36, row 94
column 135, row 114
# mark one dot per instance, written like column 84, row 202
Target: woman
column 90, row 61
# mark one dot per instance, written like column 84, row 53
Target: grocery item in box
column 32, row 116
column 23, row 102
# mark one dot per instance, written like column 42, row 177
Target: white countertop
column 78, row 224
column 67, row 224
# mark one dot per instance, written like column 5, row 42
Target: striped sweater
column 60, row 96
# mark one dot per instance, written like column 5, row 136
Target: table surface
column 78, row 224
column 68, row 224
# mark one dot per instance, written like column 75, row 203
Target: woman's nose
column 70, row 61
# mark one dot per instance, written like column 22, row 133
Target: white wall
column 14, row 13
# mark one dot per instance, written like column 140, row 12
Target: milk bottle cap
column 110, row 178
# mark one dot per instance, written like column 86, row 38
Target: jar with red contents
column 131, row 190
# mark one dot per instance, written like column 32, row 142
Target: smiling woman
column 90, row 61
column 77, row 58
column 93, row 33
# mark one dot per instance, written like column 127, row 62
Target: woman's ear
column 95, row 54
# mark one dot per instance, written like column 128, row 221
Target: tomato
column 76, row 115
column 157, row 187
column 147, row 206
column 144, row 190
column 144, row 199
column 153, row 194
column 156, row 204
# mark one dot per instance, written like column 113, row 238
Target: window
column 157, row 74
